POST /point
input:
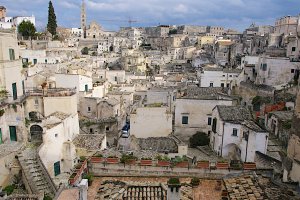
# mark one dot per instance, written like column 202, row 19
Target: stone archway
column 36, row 133
column 232, row 152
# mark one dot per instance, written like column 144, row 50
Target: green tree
column 199, row 139
column 26, row 29
column 52, row 24
column 85, row 51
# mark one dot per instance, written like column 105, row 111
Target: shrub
column 174, row 181
column 82, row 158
column 195, row 181
column 46, row 197
column 199, row 139
column 89, row 177
column 125, row 158
column 85, row 51
column 9, row 189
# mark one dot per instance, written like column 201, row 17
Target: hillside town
column 169, row 112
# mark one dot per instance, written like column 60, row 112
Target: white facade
column 198, row 113
column 17, row 20
column 218, row 77
column 237, row 140
column 82, row 83
column 151, row 122
column 57, row 144
column 274, row 71
column 11, row 78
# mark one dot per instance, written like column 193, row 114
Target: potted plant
column 195, row 182
column 128, row 159
column 223, row 164
column 89, row 177
column 163, row 161
column 112, row 160
column 146, row 161
column 97, row 158
column 203, row 164
column 181, row 162
column 249, row 166
column 73, row 178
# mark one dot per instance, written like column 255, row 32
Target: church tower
column 83, row 19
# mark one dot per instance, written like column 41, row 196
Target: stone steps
column 33, row 172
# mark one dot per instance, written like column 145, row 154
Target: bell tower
column 83, row 19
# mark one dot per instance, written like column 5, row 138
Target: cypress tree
column 52, row 24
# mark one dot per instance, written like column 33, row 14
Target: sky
column 112, row 14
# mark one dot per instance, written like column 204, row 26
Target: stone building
column 235, row 135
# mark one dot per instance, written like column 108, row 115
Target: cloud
column 230, row 13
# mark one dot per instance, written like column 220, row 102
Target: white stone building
column 151, row 122
column 235, row 135
column 220, row 77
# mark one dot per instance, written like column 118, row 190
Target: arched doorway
column 232, row 152
column 36, row 133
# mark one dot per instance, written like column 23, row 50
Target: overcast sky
column 237, row 14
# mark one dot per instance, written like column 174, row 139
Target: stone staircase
column 35, row 174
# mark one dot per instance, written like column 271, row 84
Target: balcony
column 51, row 92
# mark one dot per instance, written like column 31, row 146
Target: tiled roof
column 235, row 114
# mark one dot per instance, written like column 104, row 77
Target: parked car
column 126, row 131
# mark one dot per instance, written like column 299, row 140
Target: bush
column 162, row 158
column 195, row 181
column 82, row 158
column 46, row 197
column 9, row 189
column 89, row 177
column 85, row 51
column 174, row 181
column 125, row 158
column 199, row 139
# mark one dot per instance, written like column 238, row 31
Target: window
column 293, row 49
column 292, row 71
column 222, row 85
column 56, row 135
column 214, row 125
column 209, row 121
column 211, row 85
column 91, row 130
column 227, row 85
column 185, row 119
column 86, row 88
column 107, row 128
column 234, row 132
column 14, row 90
column 264, row 67
column 36, row 102
column 11, row 54
column 23, row 87
column 116, row 78
column 57, row 168
column 13, row 133
column 1, row 141
column 89, row 109
column 230, row 75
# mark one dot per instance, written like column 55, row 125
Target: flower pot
column 162, row 163
column 249, row 166
column 222, row 165
column 203, row 164
column 112, row 160
column 96, row 159
column 146, row 163
column 130, row 162
column 183, row 164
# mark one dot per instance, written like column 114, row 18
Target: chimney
column 173, row 192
